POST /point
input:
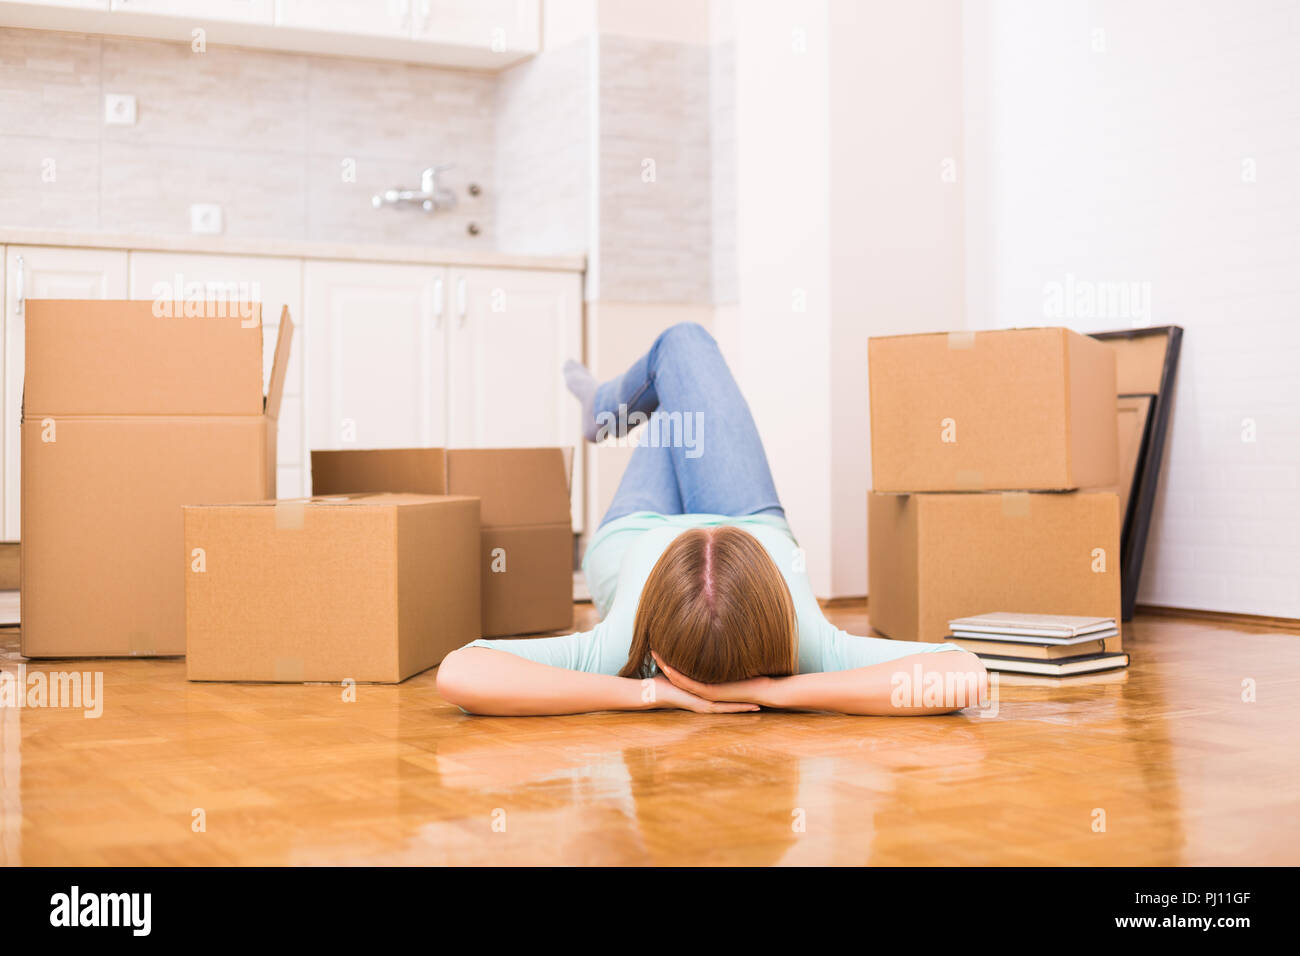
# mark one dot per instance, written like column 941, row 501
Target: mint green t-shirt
column 620, row 558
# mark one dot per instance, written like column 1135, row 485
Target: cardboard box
column 1133, row 422
column 10, row 564
column 934, row 557
column 526, row 553
column 1029, row 409
column 127, row 416
column 364, row 587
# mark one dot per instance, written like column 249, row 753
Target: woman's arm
column 486, row 681
column 928, row 683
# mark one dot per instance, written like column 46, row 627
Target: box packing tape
column 970, row 479
column 961, row 340
column 290, row 670
column 290, row 513
column 1015, row 504
column 141, row 644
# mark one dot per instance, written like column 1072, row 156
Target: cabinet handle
column 461, row 305
column 20, row 285
column 437, row 304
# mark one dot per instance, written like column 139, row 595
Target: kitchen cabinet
column 495, row 25
column 510, row 334
column 233, row 11
column 76, row 4
column 385, row 354
column 489, row 25
column 385, row 18
column 407, row 355
column 43, row 272
column 473, row 34
column 377, row 355
column 274, row 282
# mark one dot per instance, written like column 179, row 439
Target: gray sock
column 583, row 384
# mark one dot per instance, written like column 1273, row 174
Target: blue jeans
column 699, row 450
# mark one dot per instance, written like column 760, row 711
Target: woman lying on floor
column 705, row 603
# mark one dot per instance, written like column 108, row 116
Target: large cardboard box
column 526, row 554
column 364, row 587
column 127, row 416
column 1030, row 409
column 934, row 557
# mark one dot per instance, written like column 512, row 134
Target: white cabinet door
column 511, row 332
column 386, row 18
column 376, row 355
column 233, row 11
column 43, row 272
column 275, row 283
column 78, row 4
column 497, row 25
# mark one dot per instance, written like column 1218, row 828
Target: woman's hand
column 756, row 691
column 662, row 692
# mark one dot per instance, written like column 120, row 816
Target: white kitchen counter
column 291, row 249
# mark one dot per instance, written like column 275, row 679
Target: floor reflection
column 1181, row 768
column 11, row 769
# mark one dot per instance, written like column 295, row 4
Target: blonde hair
column 716, row 608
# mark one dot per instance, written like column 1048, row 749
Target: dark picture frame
column 1146, row 474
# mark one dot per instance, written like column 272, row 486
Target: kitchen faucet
column 430, row 196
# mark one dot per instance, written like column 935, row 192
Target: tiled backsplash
column 543, row 152
column 618, row 147
column 646, row 183
column 291, row 146
column 656, row 171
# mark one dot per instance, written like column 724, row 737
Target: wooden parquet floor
column 1179, row 767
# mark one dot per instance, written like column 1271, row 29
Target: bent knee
column 685, row 333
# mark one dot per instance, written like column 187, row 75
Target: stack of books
column 1053, row 645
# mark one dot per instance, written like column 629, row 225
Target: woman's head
column 716, row 608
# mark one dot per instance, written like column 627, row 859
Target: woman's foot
column 583, row 385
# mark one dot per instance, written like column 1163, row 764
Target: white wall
column 1112, row 157
column 649, row 260
column 846, row 111
column 1161, row 151
column 896, row 235
column 778, row 338
column 543, row 124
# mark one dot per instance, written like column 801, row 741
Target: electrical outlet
column 205, row 218
column 119, row 109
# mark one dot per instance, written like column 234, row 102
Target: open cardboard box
column 526, row 552
column 127, row 416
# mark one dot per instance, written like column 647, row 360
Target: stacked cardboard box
column 526, row 554
column 979, row 442
column 129, row 412
column 144, row 424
